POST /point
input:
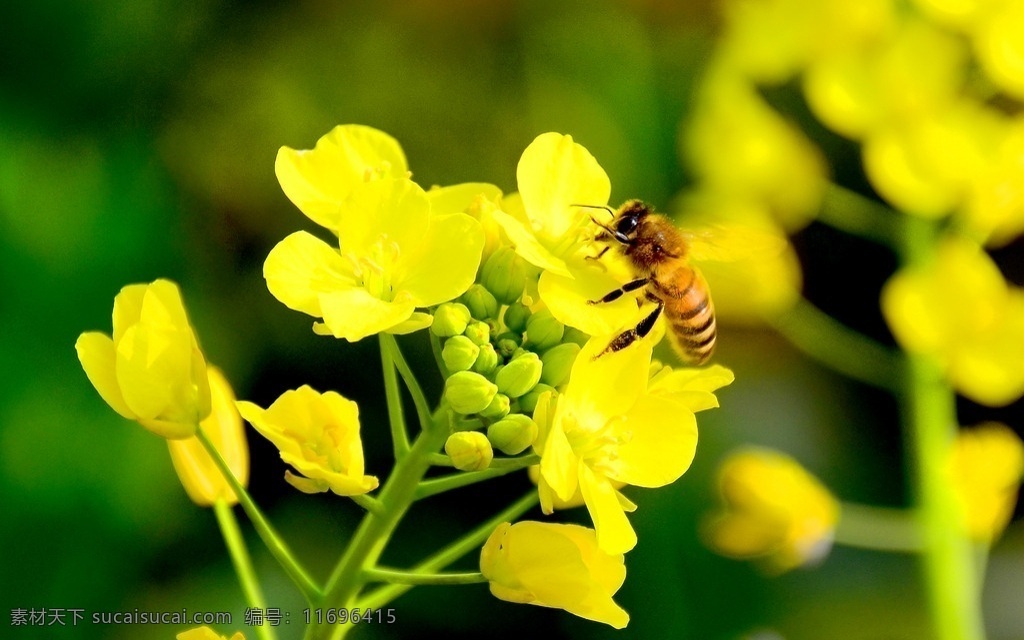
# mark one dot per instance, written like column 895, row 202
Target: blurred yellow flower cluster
column 986, row 468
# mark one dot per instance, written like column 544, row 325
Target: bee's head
column 627, row 221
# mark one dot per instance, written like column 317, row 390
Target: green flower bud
column 481, row 302
column 450, row 319
column 516, row 316
column 459, row 353
column 558, row 361
column 574, row 335
column 504, row 275
column 543, row 331
column 487, row 361
column 513, row 434
column 469, row 450
column 528, row 402
column 520, row 375
column 498, row 408
column 507, row 344
column 468, row 392
column 478, row 332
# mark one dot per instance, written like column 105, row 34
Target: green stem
column 435, row 348
column 467, row 543
column 498, row 468
column 368, row 503
column 416, row 578
column 857, row 215
column 242, row 563
column 931, row 424
column 396, row 417
column 274, row 543
column 418, row 397
column 878, row 528
column 838, row 347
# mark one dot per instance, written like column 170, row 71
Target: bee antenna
column 596, row 206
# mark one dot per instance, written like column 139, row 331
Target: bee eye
column 627, row 225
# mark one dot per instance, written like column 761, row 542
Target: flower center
column 376, row 268
column 598, row 447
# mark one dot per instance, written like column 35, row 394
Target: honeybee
column 658, row 253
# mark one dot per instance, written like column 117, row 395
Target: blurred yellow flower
column 555, row 565
column 554, row 173
column 995, row 205
column 151, row 370
column 318, row 435
column 395, row 256
column 197, row 471
column 999, row 44
column 987, row 465
column 774, row 509
column 606, row 428
column 206, row 633
column 320, row 181
column 960, row 311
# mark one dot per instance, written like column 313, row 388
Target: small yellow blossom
column 151, row 369
column 197, row 471
column 206, row 633
column 318, row 435
column 606, row 428
column 774, row 509
column 999, row 44
column 961, row 311
column 555, row 565
column 395, row 255
column 554, row 173
column 320, row 181
column 987, row 465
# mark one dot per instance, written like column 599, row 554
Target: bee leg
column 617, row 293
column 641, row 330
column 598, row 256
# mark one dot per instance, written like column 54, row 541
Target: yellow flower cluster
column 987, row 466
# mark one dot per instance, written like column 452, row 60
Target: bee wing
column 734, row 243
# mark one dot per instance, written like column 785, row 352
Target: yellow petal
column 661, row 442
column 602, row 386
column 96, row 353
column 529, row 246
column 694, row 388
column 319, row 181
column 568, row 298
column 301, row 268
column 353, row 314
column 390, row 212
column 445, row 264
column 614, row 533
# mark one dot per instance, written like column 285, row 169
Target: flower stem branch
column 838, row 347
column 240, row 559
column 497, row 469
column 416, row 578
column 419, row 399
column 467, row 543
column 857, row 215
column 878, row 528
column 274, row 543
column 396, row 416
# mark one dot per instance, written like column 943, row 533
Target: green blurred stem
column 466, row 544
column 498, row 468
column 878, row 528
column 416, row 578
column 242, row 563
column 838, row 347
column 274, row 543
column 858, row 215
column 396, row 416
column 930, row 422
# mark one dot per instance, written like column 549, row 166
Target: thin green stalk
column 418, row 397
column 368, row 503
column 498, row 468
column 878, row 528
column 857, row 215
column 274, row 543
column 466, row 544
column 416, row 578
column 435, row 348
column 242, row 562
column 838, row 347
column 396, row 416
column 931, row 424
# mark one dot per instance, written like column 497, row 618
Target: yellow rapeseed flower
column 774, row 509
column 999, row 44
column 606, row 428
column 555, row 565
column 318, row 435
column 960, row 311
column 554, row 173
column 206, row 633
column 987, row 465
column 395, row 255
column 151, row 369
column 197, row 471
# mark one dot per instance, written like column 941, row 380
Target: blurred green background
column 137, row 140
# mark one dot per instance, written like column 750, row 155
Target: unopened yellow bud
column 513, row 434
column 498, row 408
column 558, row 361
column 481, row 302
column 528, row 402
column 459, row 353
column 520, row 375
column 516, row 316
column 468, row 392
column 543, row 331
column 504, row 275
column 478, row 332
column 469, row 450
column 487, row 360
column 450, row 319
